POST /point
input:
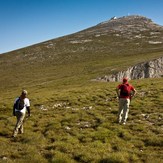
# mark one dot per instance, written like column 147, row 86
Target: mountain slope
column 74, row 119
column 130, row 34
column 106, row 48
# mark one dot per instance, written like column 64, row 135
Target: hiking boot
column 14, row 136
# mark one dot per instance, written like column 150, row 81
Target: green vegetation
column 74, row 118
column 83, row 127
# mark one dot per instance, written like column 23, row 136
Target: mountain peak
column 128, row 22
column 125, row 25
column 127, row 19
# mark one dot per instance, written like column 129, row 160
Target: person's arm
column 117, row 91
column 29, row 112
column 28, row 106
column 134, row 92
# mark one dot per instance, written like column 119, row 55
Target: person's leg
column 126, row 110
column 20, row 117
column 21, row 129
column 120, row 112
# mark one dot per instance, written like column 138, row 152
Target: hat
column 125, row 80
column 24, row 92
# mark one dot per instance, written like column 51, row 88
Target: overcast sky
column 27, row 22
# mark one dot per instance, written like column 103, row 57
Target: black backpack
column 19, row 105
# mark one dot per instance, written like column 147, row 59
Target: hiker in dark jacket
column 124, row 92
column 21, row 104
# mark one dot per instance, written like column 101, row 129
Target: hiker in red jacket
column 124, row 92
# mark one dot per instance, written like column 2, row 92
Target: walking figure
column 21, row 104
column 125, row 92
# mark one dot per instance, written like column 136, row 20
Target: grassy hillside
column 78, row 124
column 97, row 51
column 74, row 118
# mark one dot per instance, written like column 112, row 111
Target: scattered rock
column 42, row 107
column 4, row 158
column 62, row 104
column 155, row 42
column 67, row 128
column 145, row 116
column 87, row 108
column 84, row 125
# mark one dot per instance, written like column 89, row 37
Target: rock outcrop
column 151, row 69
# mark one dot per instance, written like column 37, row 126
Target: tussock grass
column 84, row 128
